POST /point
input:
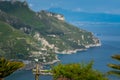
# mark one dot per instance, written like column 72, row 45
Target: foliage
column 8, row 67
column 19, row 24
column 67, row 36
column 115, row 66
column 11, row 42
column 76, row 72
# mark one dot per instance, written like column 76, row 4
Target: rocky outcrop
column 56, row 15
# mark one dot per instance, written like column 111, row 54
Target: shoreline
column 52, row 62
column 31, row 65
column 77, row 50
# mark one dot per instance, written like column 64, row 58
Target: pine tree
column 115, row 66
column 76, row 72
column 8, row 67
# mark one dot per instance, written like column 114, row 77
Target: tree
column 8, row 67
column 115, row 66
column 76, row 72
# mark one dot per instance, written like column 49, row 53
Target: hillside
column 11, row 42
column 38, row 34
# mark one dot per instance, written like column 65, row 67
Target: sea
column 109, row 35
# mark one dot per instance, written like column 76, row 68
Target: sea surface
column 108, row 33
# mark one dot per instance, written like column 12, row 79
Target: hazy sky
column 102, row 6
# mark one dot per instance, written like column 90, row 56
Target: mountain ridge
column 46, row 33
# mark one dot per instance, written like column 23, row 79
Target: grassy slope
column 13, row 42
column 67, row 36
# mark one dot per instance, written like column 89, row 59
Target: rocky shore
column 30, row 64
column 76, row 50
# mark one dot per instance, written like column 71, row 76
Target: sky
column 92, row 6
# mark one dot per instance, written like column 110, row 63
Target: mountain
column 85, row 16
column 26, row 34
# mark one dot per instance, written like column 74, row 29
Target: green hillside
column 43, row 33
column 14, row 43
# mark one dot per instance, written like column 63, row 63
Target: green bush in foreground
column 115, row 66
column 76, row 72
column 8, row 67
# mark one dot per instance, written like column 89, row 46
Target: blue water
column 109, row 34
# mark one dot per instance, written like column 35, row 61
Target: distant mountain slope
column 84, row 16
column 46, row 32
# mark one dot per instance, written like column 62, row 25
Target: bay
column 108, row 33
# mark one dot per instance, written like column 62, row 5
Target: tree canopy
column 7, row 67
column 116, row 67
column 76, row 72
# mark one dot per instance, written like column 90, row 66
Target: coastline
column 76, row 50
column 31, row 65
column 52, row 62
